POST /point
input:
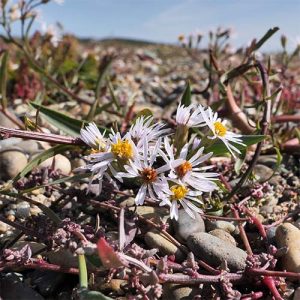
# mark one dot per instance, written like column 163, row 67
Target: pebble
column 127, row 202
column 179, row 292
column 268, row 160
column 214, row 251
column 185, row 226
column 5, row 122
column 11, row 163
column 223, row 235
column 34, row 246
column 62, row 257
column 61, row 163
column 77, row 163
column 288, row 235
column 114, row 285
column 12, row 287
column 268, row 206
column 151, row 212
column 154, row 240
column 262, row 172
column 271, row 232
column 23, row 210
column 224, row 225
column 30, row 147
column 297, row 294
column 47, row 282
column 3, row 227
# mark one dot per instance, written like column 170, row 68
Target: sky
column 164, row 20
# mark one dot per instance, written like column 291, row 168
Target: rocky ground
column 239, row 248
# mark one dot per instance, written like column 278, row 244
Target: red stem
column 243, row 233
column 269, row 282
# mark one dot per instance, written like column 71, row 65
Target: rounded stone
column 223, row 235
column 11, row 163
column 179, row 292
column 23, row 210
column 30, row 147
column 153, row 239
column 3, row 227
column 185, row 226
column 214, row 251
column 262, row 172
column 224, row 225
column 61, row 163
column 288, row 235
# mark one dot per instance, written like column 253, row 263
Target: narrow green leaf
column 267, row 35
column 3, row 79
column 219, row 148
column 186, row 98
column 63, row 122
column 42, row 157
column 83, row 275
column 103, row 69
column 113, row 96
column 75, row 178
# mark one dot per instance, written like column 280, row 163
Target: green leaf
column 83, row 276
column 267, row 35
column 42, row 157
column 219, row 148
column 3, row 79
column 63, row 122
column 76, row 177
column 146, row 112
column 239, row 162
column 186, row 98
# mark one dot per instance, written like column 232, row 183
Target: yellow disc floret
column 220, row 129
column 99, row 146
column 122, row 149
column 182, row 169
column 179, row 192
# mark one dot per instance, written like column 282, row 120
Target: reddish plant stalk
column 256, row 222
column 243, row 233
column 253, row 296
column 39, row 136
column 269, row 282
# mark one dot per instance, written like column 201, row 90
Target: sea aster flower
column 181, row 194
column 106, row 152
column 189, row 116
column 219, row 130
column 153, row 182
column 145, row 128
column 92, row 136
column 188, row 171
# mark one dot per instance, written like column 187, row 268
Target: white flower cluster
column 149, row 155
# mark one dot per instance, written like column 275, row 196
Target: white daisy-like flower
column 190, row 116
column 180, row 194
column 105, row 153
column 189, row 172
column 145, row 128
column 153, row 181
column 92, row 136
column 219, row 130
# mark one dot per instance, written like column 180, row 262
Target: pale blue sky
column 163, row 20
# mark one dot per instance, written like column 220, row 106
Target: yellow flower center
column 122, row 149
column 179, row 192
column 182, row 169
column 220, row 129
column 148, row 175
